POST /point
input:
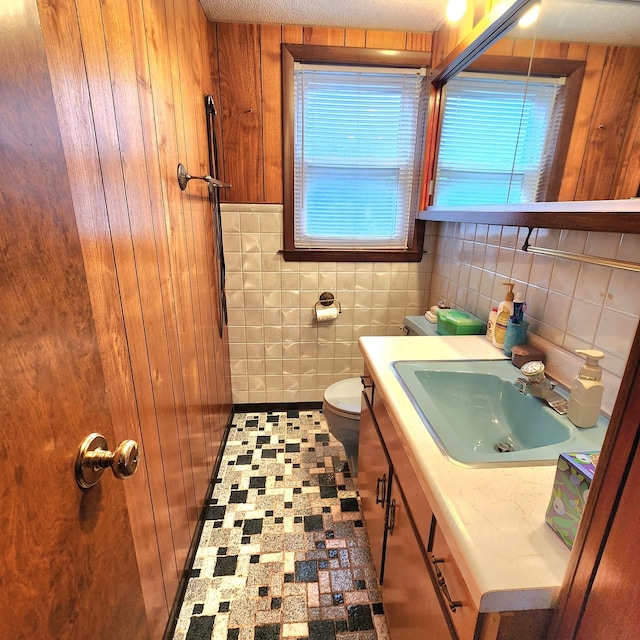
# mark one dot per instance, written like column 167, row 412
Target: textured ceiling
column 612, row 21
column 394, row 15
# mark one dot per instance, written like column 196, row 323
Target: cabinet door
column 373, row 484
column 457, row 599
column 411, row 604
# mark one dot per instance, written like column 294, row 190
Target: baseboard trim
column 270, row 407
column 195, row 541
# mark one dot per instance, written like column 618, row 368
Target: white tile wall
column 279, row 353
column 571, row 304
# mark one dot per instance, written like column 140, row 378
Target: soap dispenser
column 505, row 311
column 586, row 391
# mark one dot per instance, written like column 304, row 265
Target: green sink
column 478, row 417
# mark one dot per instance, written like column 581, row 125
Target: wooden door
column 68, row 564
column 611, row 611
column 374, row 478
column 411, row 603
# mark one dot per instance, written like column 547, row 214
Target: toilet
column 341, row 408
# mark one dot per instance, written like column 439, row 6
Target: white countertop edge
column 492, row 518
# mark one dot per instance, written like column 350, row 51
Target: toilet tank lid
column 345, row 395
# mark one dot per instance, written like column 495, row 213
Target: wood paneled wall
column 602, row 158
column 247, row 66
column 129, row 79
column 248, row 70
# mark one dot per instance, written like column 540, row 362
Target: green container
column 453, row 322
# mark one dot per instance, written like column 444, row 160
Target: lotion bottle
column 586, row 391
column 505, row 311
column 491, row 323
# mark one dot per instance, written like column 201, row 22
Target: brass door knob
column 94, row 457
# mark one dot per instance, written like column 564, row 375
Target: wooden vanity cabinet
column 411, row 603
column 374, row 481
column 423, row 591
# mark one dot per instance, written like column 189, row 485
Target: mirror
column 599, row 145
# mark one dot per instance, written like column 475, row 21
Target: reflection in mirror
column 589, row 145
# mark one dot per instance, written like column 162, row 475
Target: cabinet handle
column 391, row 517
column 367, row 382
column 381, row 482
column 452, row 604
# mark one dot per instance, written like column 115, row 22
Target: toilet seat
column 343, row 397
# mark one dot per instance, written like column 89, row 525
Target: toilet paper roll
column 326, row 313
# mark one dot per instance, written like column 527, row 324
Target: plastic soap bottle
column 505, row 311
column 586, row 391
column 491, row 323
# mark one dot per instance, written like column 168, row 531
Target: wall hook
column 184, row 176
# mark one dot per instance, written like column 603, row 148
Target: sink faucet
column 538, row 385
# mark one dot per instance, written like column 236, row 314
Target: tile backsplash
column 571, row 304
column 279, row 353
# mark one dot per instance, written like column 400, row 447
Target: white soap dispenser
column 586, row 391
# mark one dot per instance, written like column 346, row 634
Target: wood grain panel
column 95, row 60
column 439, row 46
column 202, row 229
column 270, row 39
column 629, row 182
column 411, row 606
column 419, row 41
column 134, row 103
column 505, row 47
column 577, row 51
column 150, row 254
column 524, row 48
column 324, row 35
column 292, row 35
column 609, row 125
column 72, row 105
column 548, row 49
column 191, row 348
column 385, row 39
column 217, row 411
column 239, row 69
column 374, row 480
column 212, row 31
column 63, row 550
column 355, row 37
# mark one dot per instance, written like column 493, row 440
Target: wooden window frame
column 292, row 53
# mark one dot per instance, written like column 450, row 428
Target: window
column 353, row 157
column 497, row 139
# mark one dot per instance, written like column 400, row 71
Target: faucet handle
column 534, row 371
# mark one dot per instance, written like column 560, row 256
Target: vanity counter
column 492, row 518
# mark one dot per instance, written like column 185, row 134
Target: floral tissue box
column 570, row 489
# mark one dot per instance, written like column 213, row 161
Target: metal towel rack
column 580, row 257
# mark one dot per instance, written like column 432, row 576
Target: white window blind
column 497, row 139
column 357, row 156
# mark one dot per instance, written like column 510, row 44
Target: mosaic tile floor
column 284, row 553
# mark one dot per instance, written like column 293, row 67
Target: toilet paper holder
column 326, row 300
